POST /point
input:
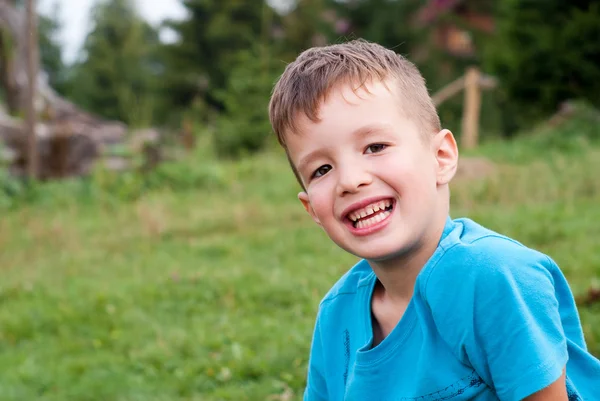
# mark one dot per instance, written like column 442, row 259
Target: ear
column 303, row 196
column 446, row 155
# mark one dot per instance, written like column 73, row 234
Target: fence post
column 188, row 138
column 471, row 109
column 31, row 33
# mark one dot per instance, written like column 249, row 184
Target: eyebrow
column 360, row 133
column 308, row 159
column 370, row 129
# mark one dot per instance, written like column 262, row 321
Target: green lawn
column 210, row 294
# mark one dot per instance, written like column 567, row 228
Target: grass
column 210, row 293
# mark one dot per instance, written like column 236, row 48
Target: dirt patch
column 474, row 168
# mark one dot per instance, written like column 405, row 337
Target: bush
column 544, row 53
column 572, row 133
column 10, row 189
column 196, row 170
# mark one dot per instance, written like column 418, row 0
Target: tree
column 11, row 60
column 389, row 23
column 545, row 53
column 309, row 23
column 86, row 133
column 117, row 74
column 199, row 62
column 243, row 127
column 51, row 61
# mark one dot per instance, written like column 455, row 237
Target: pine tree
column 199, row 62
column 51, row 61
column 545, row 53
column 116, row 76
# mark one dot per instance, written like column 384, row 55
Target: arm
column 316, row 388
column 557, row 391
column 496, row 307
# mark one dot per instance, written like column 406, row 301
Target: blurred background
column 153, row 247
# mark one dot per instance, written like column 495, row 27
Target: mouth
column 370, row 215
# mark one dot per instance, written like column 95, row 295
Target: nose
column 352, row 175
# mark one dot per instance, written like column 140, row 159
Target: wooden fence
column 472, row 82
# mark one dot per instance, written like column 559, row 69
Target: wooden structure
column 472, row 83
column 31, row 33
column 451, row 37
column 66, row 131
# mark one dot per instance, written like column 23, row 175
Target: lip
column 371, row 229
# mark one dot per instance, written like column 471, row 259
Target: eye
column 321, row 171
column 375, row 148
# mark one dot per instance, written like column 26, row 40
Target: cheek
column 411, row 177
column 399, row 170
column 322, row 208
column 320, row 203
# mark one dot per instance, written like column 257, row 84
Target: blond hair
column 307, row 80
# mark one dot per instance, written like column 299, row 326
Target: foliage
column 192, row 172
column 127, row 74
column 308, row 23
column 200, row 169
column 199, row 62
column 50, row 50
column 10, row 189
column 117, row 74
column 188, row 174
column 572, row 133
column 210, row 293
column 545, row 53
column 244, row 125
column 389, row 23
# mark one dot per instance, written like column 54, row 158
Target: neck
column 398, row 275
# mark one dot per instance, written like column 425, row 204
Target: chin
column 377, row 255
column 381, row 257
column 380, row 248
column 390, row 253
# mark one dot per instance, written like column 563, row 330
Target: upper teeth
column 369, row 209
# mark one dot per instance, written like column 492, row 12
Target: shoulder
column 497, row 304
column 349, row 284
column 477, row 257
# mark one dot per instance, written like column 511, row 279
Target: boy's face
column 372, row 180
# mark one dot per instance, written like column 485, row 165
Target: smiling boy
column 437, row 309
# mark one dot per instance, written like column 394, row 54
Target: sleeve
column 498, row 310
column 316, row 389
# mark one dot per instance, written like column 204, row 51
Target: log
column 63, row 151
column 82, row 135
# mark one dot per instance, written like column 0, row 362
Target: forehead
column 347, row 115
column 343, row 101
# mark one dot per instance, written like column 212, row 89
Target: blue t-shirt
column 490, row 319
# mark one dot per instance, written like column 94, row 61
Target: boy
column 438, row 309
